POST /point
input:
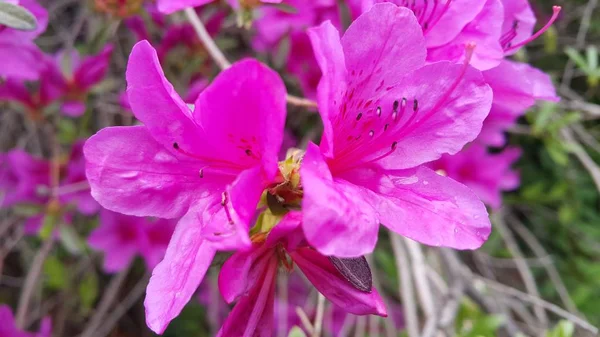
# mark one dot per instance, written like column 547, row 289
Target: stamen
column 359, row 116
column 224, row 201
column 371, row 133
column 428, row 25
column 555, row 12
column 378, row 111
column 201, row 173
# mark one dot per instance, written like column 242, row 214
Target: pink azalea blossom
column 485, row 173
column 250, row 277
column 19, row 55
column 385, row 113
column 209, row 165
column 516, row 86
column 26, row 180
column 8, row 326
column 122, row 237
column 70, row 88
column 72, row 85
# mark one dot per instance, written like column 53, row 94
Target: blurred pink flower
column 26, row 180
column 8, row 326
column 250, row 277
column 19, row 55
column 209, row 165
column 69, row 86
column 516, row 86
column 485, row 173
column 71, row 83
column 385, row 113
column 122, row 237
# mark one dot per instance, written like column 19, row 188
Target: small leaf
column 55, row 272
column 88, row 290
column 356, row 271
column 296, row 331
column 16, row 17
column 576, row 57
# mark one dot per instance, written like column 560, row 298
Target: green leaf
column 296, row 331
column 70, row 240
column 55, row 272
column 562, row 329
column 48, row 223
column 16, row 17
column 577, row 58
column 592, row 57
column 88, row 290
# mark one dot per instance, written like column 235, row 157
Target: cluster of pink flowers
column 411, row 96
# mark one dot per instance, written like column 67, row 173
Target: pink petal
column 20, row 61
column 154, row 101
column 518, row 10
column 336, row 217
column 73, row 108
column 243, row 114
column 330, row 57
column 176, row 277
column 381, row 46
column 252, row 316
column 438, row 112
column 129, row 172
column 329, row 282
column 484, row 31
column 92, row 69
column 425, row 206
column 242, row 270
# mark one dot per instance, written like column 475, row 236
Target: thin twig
column 390, row 330
column 579, row 152
column 221, row 60
column 419, row 273
column 109, row 297
column 522, row 267
column 123, row 307
column 584, row 27
column 539, row 250
column 501, row 288
column 305, row 321
column 31, row 280
column 318, row 325
column 405, row 286
column 445, row 316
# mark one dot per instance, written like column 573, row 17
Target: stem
column 31, row 280
column 111, row 293
column 319, row 316
column 405, row 286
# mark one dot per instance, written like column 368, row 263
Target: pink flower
column 385, row 113
column 26, row 180
column 516, row 88
column 250, row 276
column 485, row 173
column 70, row 87
column 122, row 237
column 8, row 326
column 19, row 56
column 209, row 165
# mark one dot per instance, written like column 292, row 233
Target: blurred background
column 85, row 269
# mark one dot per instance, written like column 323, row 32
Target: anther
column 371, row 133
column 248, row 152
column 386, row 127
column 403, row 102
column 359, row 116
column 201, row 173
column 395, row 106
column 415, row 105
column 176, row 146
column 394, row 144
column 378, row 111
